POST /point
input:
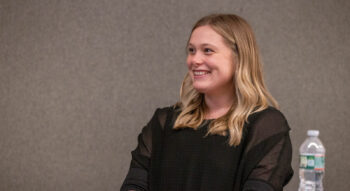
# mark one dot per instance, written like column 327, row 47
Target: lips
column 200, row 72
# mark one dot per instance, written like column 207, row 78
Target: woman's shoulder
column 167, row 110
column 268, row 119
column 163, row 114
column 270, row 113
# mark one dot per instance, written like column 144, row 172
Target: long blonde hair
column 251, row 94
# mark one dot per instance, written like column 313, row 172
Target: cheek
column 232, row 72
column 227, row 68
column 188, row 62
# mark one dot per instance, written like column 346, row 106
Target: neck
column 218, row 104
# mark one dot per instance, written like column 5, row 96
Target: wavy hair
column 251, row 94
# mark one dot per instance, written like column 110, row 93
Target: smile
column 200, row 73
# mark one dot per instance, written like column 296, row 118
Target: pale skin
column 211, row 66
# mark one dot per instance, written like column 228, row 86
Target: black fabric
column 252, row 185
column 136, row 180
column 186, row 160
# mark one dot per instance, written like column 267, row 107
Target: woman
column 225, row 133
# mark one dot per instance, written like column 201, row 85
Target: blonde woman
column 226, row 133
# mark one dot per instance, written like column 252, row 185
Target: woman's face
column 210, row 62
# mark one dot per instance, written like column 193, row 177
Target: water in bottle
column 312, row 163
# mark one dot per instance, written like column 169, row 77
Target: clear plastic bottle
column 312, row 163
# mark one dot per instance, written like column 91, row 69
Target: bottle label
column 312, row 162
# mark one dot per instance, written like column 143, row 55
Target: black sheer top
column 183, row 160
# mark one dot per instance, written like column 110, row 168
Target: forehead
column 205, row 35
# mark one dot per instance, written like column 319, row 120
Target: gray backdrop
column 79, row 79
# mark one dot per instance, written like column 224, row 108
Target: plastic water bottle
column 312, row 160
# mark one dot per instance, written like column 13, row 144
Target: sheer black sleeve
column 269, row 152
column 137, row 177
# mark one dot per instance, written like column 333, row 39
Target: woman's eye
column 208, row 50
column 191, row 50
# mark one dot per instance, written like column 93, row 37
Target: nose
column 195, row 59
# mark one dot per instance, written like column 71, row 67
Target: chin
column 200, row 89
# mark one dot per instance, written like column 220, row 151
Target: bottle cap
column 313, row 133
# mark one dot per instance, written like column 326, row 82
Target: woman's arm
column 270, row 153
column 274, row 170
column 137, row 177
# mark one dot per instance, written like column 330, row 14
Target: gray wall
column 79, row 79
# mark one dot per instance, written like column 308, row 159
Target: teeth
column 198, row 73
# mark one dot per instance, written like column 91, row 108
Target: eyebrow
column 201, row 45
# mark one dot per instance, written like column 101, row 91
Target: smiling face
column 210, row 62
